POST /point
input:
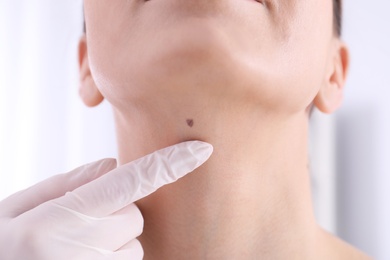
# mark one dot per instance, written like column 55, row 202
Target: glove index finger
column 135, row 180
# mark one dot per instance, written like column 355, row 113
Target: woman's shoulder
column 335, row 248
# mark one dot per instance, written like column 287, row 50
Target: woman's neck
column 251, row 200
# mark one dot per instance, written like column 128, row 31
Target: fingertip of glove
column 192, row 155
column 202, row 150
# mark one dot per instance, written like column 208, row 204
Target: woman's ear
column 88, row 90
column 330, row 96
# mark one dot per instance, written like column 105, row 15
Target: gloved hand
column 89, row 212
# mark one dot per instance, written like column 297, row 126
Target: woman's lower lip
column 259, row 1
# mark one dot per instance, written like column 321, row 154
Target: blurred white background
column 45, row 129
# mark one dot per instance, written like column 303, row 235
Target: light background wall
column 45, row 129
column 363, row 128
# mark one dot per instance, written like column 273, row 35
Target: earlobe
column 330, row 96
column 88, row 90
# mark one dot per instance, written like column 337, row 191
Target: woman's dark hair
column 337, row 14
column 337, row 17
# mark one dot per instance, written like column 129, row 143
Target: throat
column 244, row 213
column 250, row 200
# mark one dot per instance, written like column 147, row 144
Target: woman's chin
column 196, row 54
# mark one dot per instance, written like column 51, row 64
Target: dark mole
column 190, row 122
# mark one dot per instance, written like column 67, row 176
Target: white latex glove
column 89, row 212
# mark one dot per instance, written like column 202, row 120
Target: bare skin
column 241, row 75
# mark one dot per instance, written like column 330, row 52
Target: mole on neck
column 190, row 122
